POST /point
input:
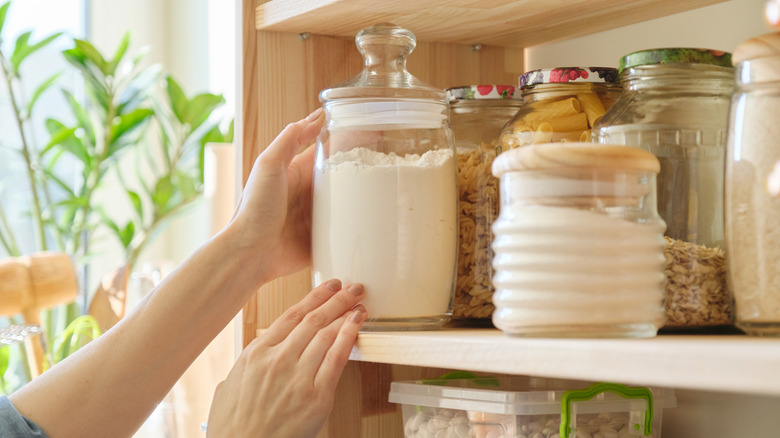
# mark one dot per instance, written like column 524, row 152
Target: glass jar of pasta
column 477, row 114
column 676, row 105
column 561, row 104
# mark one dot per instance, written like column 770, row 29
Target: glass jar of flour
column 578, row 243
column 385, row 190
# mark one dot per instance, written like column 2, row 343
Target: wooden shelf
column 509, row 23
column 730, row 363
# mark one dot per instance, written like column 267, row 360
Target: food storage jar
column 477, row 114
column 752, row 189
column 578, row 243
column 675, row 105
column 511, row 407
column 561, row 104
column 385, row 190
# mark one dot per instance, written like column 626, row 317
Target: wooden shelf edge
column 509, row 23
column 721, row 363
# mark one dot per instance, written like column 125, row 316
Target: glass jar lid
column 384, row 95
column 568, row 75
column 553, row 156
column 675, row 56
column 482, row 92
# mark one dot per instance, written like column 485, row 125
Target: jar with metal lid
column 578, row 243
column 561, row 104
column 385, row 191
column 675, row 105
column 753, row 187
column 477, row 114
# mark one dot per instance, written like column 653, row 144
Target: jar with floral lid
column 578, row 243
column 477, row 114
column 560, row 105
column 385, row 195
column 752, row 201
column 675, row 104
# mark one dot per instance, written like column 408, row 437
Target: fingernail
column 355, row 289
column 314, row 115
column 359, row 308
column 357, row 316
column 334, row 285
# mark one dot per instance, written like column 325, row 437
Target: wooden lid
column 759, row 47
column 550, row 156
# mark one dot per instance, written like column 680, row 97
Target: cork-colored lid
column 759, row 47
column 551, row 156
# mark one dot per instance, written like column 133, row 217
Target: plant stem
column 26, row 152
column 9, row 243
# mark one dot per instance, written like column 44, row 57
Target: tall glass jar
column 579, row 243
column 477, row 114
column 753, row 187
column 385, row 190
column 675, row 105
column 561, row 105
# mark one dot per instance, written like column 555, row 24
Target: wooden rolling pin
column 32, row 283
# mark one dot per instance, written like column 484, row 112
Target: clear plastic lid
column 385, row 94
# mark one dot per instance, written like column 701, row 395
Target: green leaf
column 5, row 351
column 3, row 13
column 81, row 116
column 23, row 49
column 185, row 184
column 162, row 194
column 229, row 134
column 126, row 235
column 91, row 54
column 119, row 54
column 50, row 174
column 65, row 137
column 38, row 91
column 177, row 99
column 128, row 122
column 139, row 88
column 135, row 199
column 200, row 108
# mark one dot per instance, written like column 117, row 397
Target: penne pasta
column 574, row 122
column 558, row 108
column 592, row 107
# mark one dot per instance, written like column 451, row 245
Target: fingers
column 285, row 324
column 323, row 316
column 295, row 136
column 323, row 340
column 338, row 354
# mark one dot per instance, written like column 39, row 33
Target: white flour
column 390, row 223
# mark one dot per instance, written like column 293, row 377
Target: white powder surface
column 389, row 222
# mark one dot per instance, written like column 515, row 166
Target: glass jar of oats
column 560, row 105
column 477, row 114
column 675, row 104
column 752, row 201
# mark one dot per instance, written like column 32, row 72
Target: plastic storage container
column 675, row 105
column 385, row 189
column 512, row 407
column 753, row 187
column 477, row 114
column 561, row 104
column 578, row 243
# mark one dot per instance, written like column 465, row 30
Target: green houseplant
column 125, row 99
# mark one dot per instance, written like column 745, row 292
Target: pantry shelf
column 509, row 23
column 729, row 363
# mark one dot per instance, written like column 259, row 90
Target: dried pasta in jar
column 560, row 104
column 477, row 113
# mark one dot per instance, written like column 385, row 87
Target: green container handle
column 588, row 393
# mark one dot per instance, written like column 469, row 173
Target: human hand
column 284, row 381
column 273, row 218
